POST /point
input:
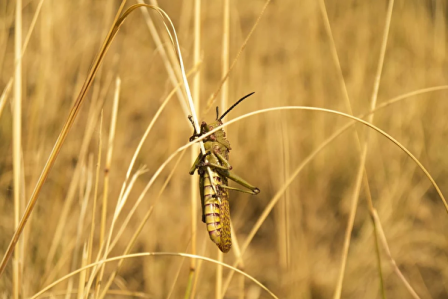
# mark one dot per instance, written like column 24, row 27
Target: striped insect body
column 214, row 191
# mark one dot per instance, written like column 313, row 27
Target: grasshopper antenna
column 217, row 112
column 233, row 106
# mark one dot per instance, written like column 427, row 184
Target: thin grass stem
column 194, row 150
column 17, row 143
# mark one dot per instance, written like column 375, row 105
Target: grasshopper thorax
column 218, row 136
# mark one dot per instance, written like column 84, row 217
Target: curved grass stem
column 118, row 258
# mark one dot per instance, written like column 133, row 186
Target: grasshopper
column 215, row 205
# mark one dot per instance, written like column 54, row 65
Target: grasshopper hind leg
column 237, row 179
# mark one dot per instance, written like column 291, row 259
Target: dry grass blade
column 194, row 149
column 375, row 235
column 17, row 141
column 110, row 149
column 83, row 274
column 224, row 101
column 389, row 255
column 5, row 95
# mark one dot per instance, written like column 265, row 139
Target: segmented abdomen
column 217, row 214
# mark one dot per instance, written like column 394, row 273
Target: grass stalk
column 375, row 235
column 110, row 149
column 95, row 195
column 83, row 274
column 389, row 255
column 224, row 101
column 5, row 95
column 17, row 142
column 361, row 169
column 194, row 194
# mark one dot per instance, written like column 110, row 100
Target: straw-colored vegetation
column 343, row 213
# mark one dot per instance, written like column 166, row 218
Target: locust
column 214, row 190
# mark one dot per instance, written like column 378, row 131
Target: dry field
column 350, row 215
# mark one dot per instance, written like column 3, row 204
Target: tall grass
column 291, row 236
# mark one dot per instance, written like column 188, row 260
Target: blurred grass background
column 297, row 251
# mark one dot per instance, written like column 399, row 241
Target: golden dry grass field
column 341, row 214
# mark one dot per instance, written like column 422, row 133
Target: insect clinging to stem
column 215, row 205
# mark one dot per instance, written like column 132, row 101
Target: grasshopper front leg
column 198, row 162
column 195, row 164
column 197, row 134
